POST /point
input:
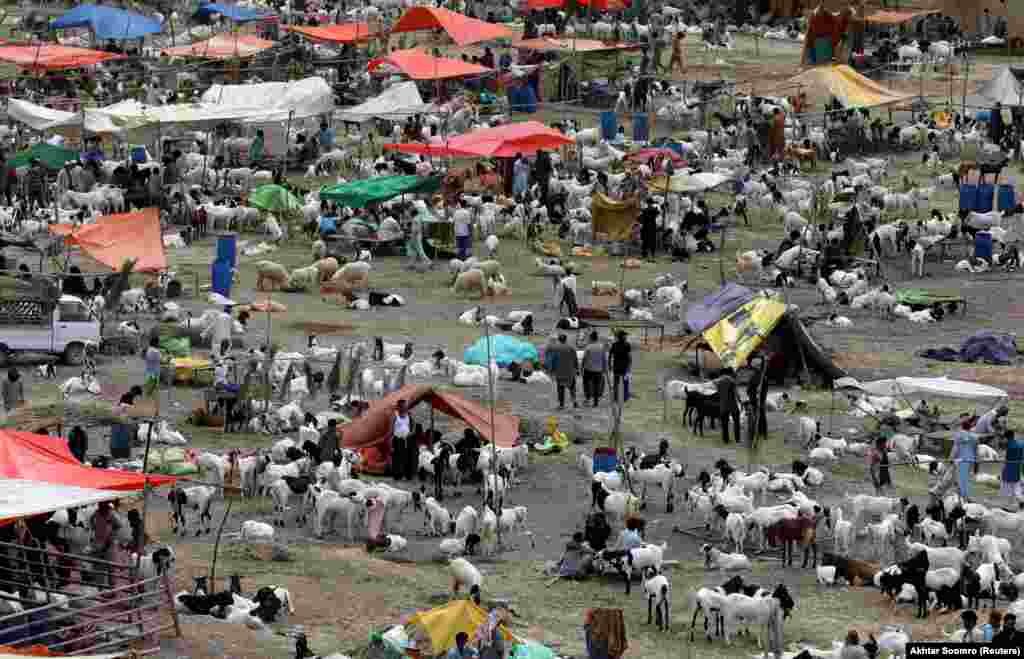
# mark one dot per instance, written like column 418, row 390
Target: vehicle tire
column 74, row 354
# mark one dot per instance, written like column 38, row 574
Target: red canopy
column 343, row 33
column 544, row 4
column 608, row 5
column 421, row 65
column 27, row 456
column 501, row 142
column 222, row 46
column 643, row 155
column 371, row 433
column 115, row 238
column 52, row 57
column 462, row 29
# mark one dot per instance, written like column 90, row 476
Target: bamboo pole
column 494, row 449
column 216, row 542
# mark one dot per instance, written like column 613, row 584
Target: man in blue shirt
column 326, row 137
column 328, row 222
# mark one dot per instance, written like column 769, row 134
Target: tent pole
column 494, row 449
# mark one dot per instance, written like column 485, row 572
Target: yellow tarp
column 443, row 623
column 851, row 88
column 613, row 218
column 185, row 368
column 737, row 336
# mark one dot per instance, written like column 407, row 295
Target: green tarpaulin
column 358, row 194
column 274, row 198
column 51, row 156
column 176, row 346
column 918, row 297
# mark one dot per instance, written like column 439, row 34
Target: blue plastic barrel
column 605, row 459
column 986, row 198
column 121, row 435
column 227, row 248
column 609, row 125
column 968, row 197
column 220, row 274
column 139, row 154
column 641, row 129
column 983, row 245
column 1006, row 197
column 983, row 116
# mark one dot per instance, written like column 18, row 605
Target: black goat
column 204, row 604
column 911, row 571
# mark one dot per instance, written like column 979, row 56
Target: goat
column 197, row 498
column 803, row 529
column 913, row 572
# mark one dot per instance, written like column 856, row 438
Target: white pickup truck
column 63, row 327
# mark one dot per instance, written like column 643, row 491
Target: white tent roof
column 272, row 101
column 396, row 102
column 1005, row 87
column 905, row 386
column 35, row 116
column 22, row 498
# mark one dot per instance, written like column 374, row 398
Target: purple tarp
column 989, row 347
column 716, row 306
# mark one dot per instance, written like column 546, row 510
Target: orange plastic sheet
column 115, row 238
column 463, row 30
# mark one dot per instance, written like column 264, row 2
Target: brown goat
column 802, row 530
column 855, row 571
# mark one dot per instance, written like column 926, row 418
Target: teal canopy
column 504, row 351
column 358, row 194
column 52, row 157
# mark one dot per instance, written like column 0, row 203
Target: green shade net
column 274, row 198
column 176, row 346
column 53, row 157
column 358, row 194
column 918, row 297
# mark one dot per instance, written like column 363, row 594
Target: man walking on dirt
column 566, row 369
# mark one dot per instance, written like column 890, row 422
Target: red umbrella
column 507, row 141
column 644, row 155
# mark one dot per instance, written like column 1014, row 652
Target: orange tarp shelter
column 343, row 33
column 608, row 5
column 114, row 238
column 544, row 4
column 26, row 456
column 886, row 17
column 222, row 46
column 51, row 57
column 526, row 137
column 463, row 30
column 370, row 434
column 421, row 65
column 551, row 44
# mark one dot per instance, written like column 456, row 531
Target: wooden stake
column 216, row 542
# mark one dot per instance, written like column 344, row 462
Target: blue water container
column 139, row 154
column 641, row 128
column 220, row 274
column 605, row 459
column 609, row 125
column 1006, row 197
column 121, row 435
column 227, row 248
column 986, row 198
column 983, row 245
column 968, row 197
column 984, row 116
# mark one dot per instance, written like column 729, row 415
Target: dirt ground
column 341, row 594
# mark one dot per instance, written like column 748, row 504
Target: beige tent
column 851, row 88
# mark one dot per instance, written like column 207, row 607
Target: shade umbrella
column 274, row 198
column 643, row 155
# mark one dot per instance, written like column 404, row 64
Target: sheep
column 722, row 561
column 754, row 610
column 269, row 272
column 661, row 475
column 330, row 504
column 656, row 588
column 465, row 574
column 85, row 383
column 252, row 530
column 436, row 518
column 625, row 562
column 842, row 532
column 197, row 498
column 807, row 429
column 826, row 575
column 284, row 489
column 736, row 530
column 864, row 503
column 466, row 522
column 472, row 281
column 883, row 536
column 938, row 557
column 457, row 546
column 822, row 455
column 214, row 467
column 991, row 548
column 766, row 517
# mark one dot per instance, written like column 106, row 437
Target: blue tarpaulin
column 717, row 306
column 989, row 347
column 108, row 22
column 231, row 12
column 504, row 351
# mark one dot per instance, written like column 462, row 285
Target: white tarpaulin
column 21, row 498
column 1006, row 87
column 396, row 102
column 275, row 101
column 35, row 116
column 684, row 182
column 923, row 387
